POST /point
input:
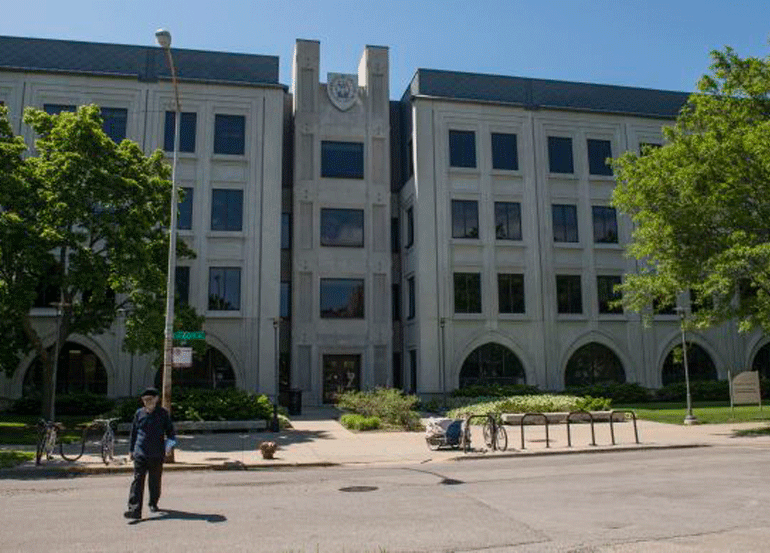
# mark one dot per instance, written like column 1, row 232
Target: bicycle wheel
column 501, row 439
column 489, row 434
column 73, row 451
column 433, row 443
column 50, row 442
column 466, row 437
column 41, row 439
column 108, row 447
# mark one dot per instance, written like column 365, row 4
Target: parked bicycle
column 47, row 437
column 73, row 452
column 495, row 436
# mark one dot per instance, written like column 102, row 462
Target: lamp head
column 163, row 37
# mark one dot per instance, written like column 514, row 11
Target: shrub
column 219, row 405
column 700, row 390
column 496, row 390
column 391, row 406
column 77, row 403
column 354, row 421
column 618, row 393
column 543, row 403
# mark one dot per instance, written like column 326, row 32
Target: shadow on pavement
column 238, row 441
column 170, row 514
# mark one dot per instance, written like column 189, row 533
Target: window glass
column 412, row 301
column 226, row 209
column 396, row 293
column 605, row 286
column 465, row 219
column 114, row 122
column 409, row 227
column 56, row 109
column 560, row 155
column 605, row 225
column 568, row 294
column 285, row 231
column 229, row 134
column 598, row 152
column 184, row 221
column 504, row 152
column 182, row 284
column 508, row 220
column 187, row 129
column 342, row 298
column 342, row 227
column 224, row 288
column 395, row 235
column 467, row 292
column 510, row 292
column 286, row 300
column 565, row 223
column 462, row 148
column 343, row 160
column 410, row 158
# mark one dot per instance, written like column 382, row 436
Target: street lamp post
column 274, row 426
column 442, row 324
column 163, row 38
column 689, row 417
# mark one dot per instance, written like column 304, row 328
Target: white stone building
column 460, row 234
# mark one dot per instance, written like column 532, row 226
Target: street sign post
column 189, row 335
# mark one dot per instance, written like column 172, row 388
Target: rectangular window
column 224, row 288
column 411, row 293
column 662, row 308
column 598, row 153
column 510, row 293
column 187, row 128
column 605, row 286
column 285, row 231
column 568, row 294
column 409, row 227
column 413, row 370
column 462, row 149
column 560, row 155
column 505, row 154
column 226, row 209
column 410, row 158
column 56, row 109
column 467, row 292
column 565, row 227
column 396, row 293
column 342, row 227
column 229, row 134
column 605, row 225
column 184, row 221
column 114, row 121
column 342, row 160
column 182, row 284
column 395, row 235
column 508, row 220
column 48, row 289
column 285, row 300
column 465, row 219
column 342, row 298
column 398, row 381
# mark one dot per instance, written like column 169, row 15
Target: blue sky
column 652, row 43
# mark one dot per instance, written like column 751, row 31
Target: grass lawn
column 707, row 412
column 22, row 430
column 10, row 458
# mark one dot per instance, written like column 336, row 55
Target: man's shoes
column 135, row 515
column 153, row 508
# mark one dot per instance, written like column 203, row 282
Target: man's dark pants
column 153, row 468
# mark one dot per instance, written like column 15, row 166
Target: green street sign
column 189, row 335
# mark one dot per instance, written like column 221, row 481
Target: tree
column 701, row 203
column 82, row 216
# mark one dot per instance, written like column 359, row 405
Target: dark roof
column 546, row 94
column 147, row 63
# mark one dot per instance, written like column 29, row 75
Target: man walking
column 152, row 434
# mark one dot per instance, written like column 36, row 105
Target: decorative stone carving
column 342, row 90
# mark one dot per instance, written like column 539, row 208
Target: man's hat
column 150, row 392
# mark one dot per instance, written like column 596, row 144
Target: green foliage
column 700, row 390
column 618, row 393
column 74, row 404
column 219, row 405
column 701, row 203
column 354, row 421
column 496, row 390
column 10, row 458
column 391, row 406
column 542, row 403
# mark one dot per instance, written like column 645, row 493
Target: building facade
column 461, row 234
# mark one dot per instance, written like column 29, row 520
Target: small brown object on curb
column 267, row 449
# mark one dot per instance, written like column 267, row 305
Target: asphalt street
column 702, row 499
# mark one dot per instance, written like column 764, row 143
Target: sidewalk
column 317, row 439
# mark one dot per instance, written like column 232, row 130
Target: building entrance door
column 342, row 373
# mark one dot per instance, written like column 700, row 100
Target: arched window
column 492, row 364
column 79, row 370
column 762, row 361
column 593, row 364
column 699, row 365
column 209, row 371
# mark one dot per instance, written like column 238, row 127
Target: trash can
column 294, row 398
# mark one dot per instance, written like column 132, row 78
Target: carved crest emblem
column 342, row 90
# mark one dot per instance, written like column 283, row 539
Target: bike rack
column 593, row 433
column 612, row 428
column 521, row 423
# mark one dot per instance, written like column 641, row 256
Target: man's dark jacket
column 149, row 431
